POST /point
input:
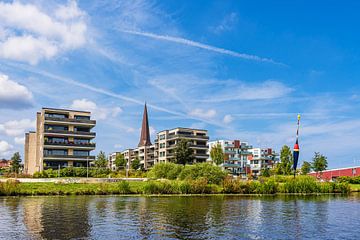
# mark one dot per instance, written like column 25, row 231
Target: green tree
column 319, row 163
column 286, row 161
column 101, row 160
column 15, row 162
column 135, row 164
column 265, row 172
column 217, row 154
column 120, row 161
column 305, row 168
column 183, row 152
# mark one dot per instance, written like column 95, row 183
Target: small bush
column 213, row 174
column 164, row 187
column 351, row 180
column 165, row 170
column 9, row 188
column 123, row 187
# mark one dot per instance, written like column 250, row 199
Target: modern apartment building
column 167, row 140
column 262, row 158
column 62, row 138
column 111, row 160
column 236, row 156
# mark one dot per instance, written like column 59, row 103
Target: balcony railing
column 92, row 145
column 90, row 158
column 71, row 120
column 69, row 132
column 187, row 136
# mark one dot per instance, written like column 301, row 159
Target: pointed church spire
column 145, row 133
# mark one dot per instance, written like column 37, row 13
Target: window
column 55, row 115
column 81, row 153
column 81, row 129
column 162, row 145
column 162, row 136
column 81, row 141
column 82, row 117
column 56, row 127
column 58, row 152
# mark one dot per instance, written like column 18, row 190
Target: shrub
column 123, row 187
column 165, row 170
column 213, row 174
column 200, row 186
column 155, row 187
column 9, row 188
column 351, row 180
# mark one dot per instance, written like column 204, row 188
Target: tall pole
column 87, row 167
column 296, row 146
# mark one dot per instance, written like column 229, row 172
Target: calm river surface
column 208, row 217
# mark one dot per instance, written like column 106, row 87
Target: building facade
column 4, row 164
column 332, row 174
column 166, row 141
column 236, row 156
column 262, row 158
column 62, row 138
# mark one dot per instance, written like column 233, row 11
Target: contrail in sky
column 188, row 42
column 107, row 92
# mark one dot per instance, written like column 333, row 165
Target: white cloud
column 131, row 130
column 201, row 113
column 17, row 127
column 19, row 140
column 152, row 130
column 13, row 95
column 226, row 24
column 118, row 146
column 29, row 34
column 228, row 119
column 239, row 91
column 98, row 112
column 5, row 149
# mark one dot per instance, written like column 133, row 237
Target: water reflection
column 219, row 217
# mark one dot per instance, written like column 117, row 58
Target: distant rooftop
column 62, row 109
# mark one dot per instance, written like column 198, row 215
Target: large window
column 55, row 115
column 81, row 153
column 81, row 129
column 59, row 152
column 56, row 127
column 82, row 117
column 56, row 140
column 81, row 141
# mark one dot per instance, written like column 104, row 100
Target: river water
column 176, row 217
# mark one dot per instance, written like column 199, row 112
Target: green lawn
column 75, row 188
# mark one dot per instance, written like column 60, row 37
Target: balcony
column 67, row 132
column 191, row 136
column 68, row 157
column 70, row 120
column 198, row 146
column 245, row 152
column 70, row 144
column 230, row 151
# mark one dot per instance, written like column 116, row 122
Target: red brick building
column 338, row 172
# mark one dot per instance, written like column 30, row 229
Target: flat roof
column 337, row 169
column 62, row 109
column 197, row 129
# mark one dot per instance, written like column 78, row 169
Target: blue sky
column 242, row 70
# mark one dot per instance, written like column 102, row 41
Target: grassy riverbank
column 301, row 185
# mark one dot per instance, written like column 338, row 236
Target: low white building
column 236, row 156
column 261, row 158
